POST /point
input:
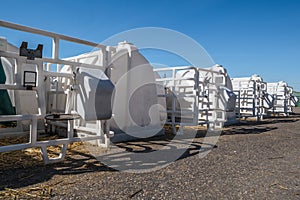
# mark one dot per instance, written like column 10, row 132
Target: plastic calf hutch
column 284, row 98
column 135, row 109
column 252, row 97
column 195, row 96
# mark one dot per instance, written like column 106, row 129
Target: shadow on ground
column 24, row 170
column 253, row 130
column 18, row 175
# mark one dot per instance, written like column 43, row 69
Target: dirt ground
column 257, row 160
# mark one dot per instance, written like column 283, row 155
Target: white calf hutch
column 284, row 98
column 197, row 96
column 253, row 99
column 135, row 110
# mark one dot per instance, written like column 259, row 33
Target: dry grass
column 28, row 157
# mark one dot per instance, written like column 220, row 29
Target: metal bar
column 49, row 34
column 58, row 74
column 15, row 147
column 46, row 143
column 48, row 60
column 186, row 68
column 65, row 141
column 13, row 87
column 66, row 62
column 55, row 47
column 174, row 68
column 85, row 129
column 40, row 89
column 70, row 129
column 171, row 79
column 33, row 131
column 4, row 118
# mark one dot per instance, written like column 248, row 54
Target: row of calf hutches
column 259, row 98
column 114, row 94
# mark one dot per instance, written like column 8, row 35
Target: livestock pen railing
column 192, row 100
column 43, row 74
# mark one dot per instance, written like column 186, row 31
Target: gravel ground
column 250, row 161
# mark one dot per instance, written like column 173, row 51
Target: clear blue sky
column 245, row 36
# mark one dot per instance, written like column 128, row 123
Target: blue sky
column 247, row 37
